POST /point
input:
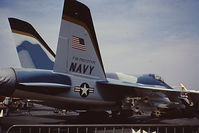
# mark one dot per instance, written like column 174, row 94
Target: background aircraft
column 75, row 77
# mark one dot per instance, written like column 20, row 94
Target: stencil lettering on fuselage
column 81, row 65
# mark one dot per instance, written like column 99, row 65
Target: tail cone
column 7, row 81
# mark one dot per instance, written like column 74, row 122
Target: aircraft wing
column 129, row 85
column 136, row 89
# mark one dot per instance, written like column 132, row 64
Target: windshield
column 157, row 77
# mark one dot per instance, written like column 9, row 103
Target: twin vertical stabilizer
column 32, row 50
column 77, row 52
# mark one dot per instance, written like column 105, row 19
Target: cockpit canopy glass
column 157, row 77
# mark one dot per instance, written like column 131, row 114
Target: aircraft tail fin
column 78, row 52
column 32, row 50
column 183, row 88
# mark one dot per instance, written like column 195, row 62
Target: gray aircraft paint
column 84, row 66
column 75, row 61
column 31, row 53
column 74, row 67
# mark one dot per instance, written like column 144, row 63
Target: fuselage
column 59, row 89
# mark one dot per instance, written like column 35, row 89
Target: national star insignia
column 84, row 90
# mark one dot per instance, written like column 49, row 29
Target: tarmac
column 45, row 115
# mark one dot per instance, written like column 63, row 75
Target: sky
column 134, row 36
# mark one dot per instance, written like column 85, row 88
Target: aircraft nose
column 7, row 81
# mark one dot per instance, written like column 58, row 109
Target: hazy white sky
column 134, row 36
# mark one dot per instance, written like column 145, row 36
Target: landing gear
column 130, row 106
column 166, row 113
column 158, row 113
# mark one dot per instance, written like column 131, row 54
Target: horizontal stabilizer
column 47, row 85
column 51, row 88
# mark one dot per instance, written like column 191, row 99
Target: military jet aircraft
column 74, row 77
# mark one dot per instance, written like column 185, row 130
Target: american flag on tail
column 78, row 43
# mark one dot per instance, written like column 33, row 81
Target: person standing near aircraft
column 7, row 102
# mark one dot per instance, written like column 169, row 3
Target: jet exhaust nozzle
column 7, row 81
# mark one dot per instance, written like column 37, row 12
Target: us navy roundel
column 84, row 89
